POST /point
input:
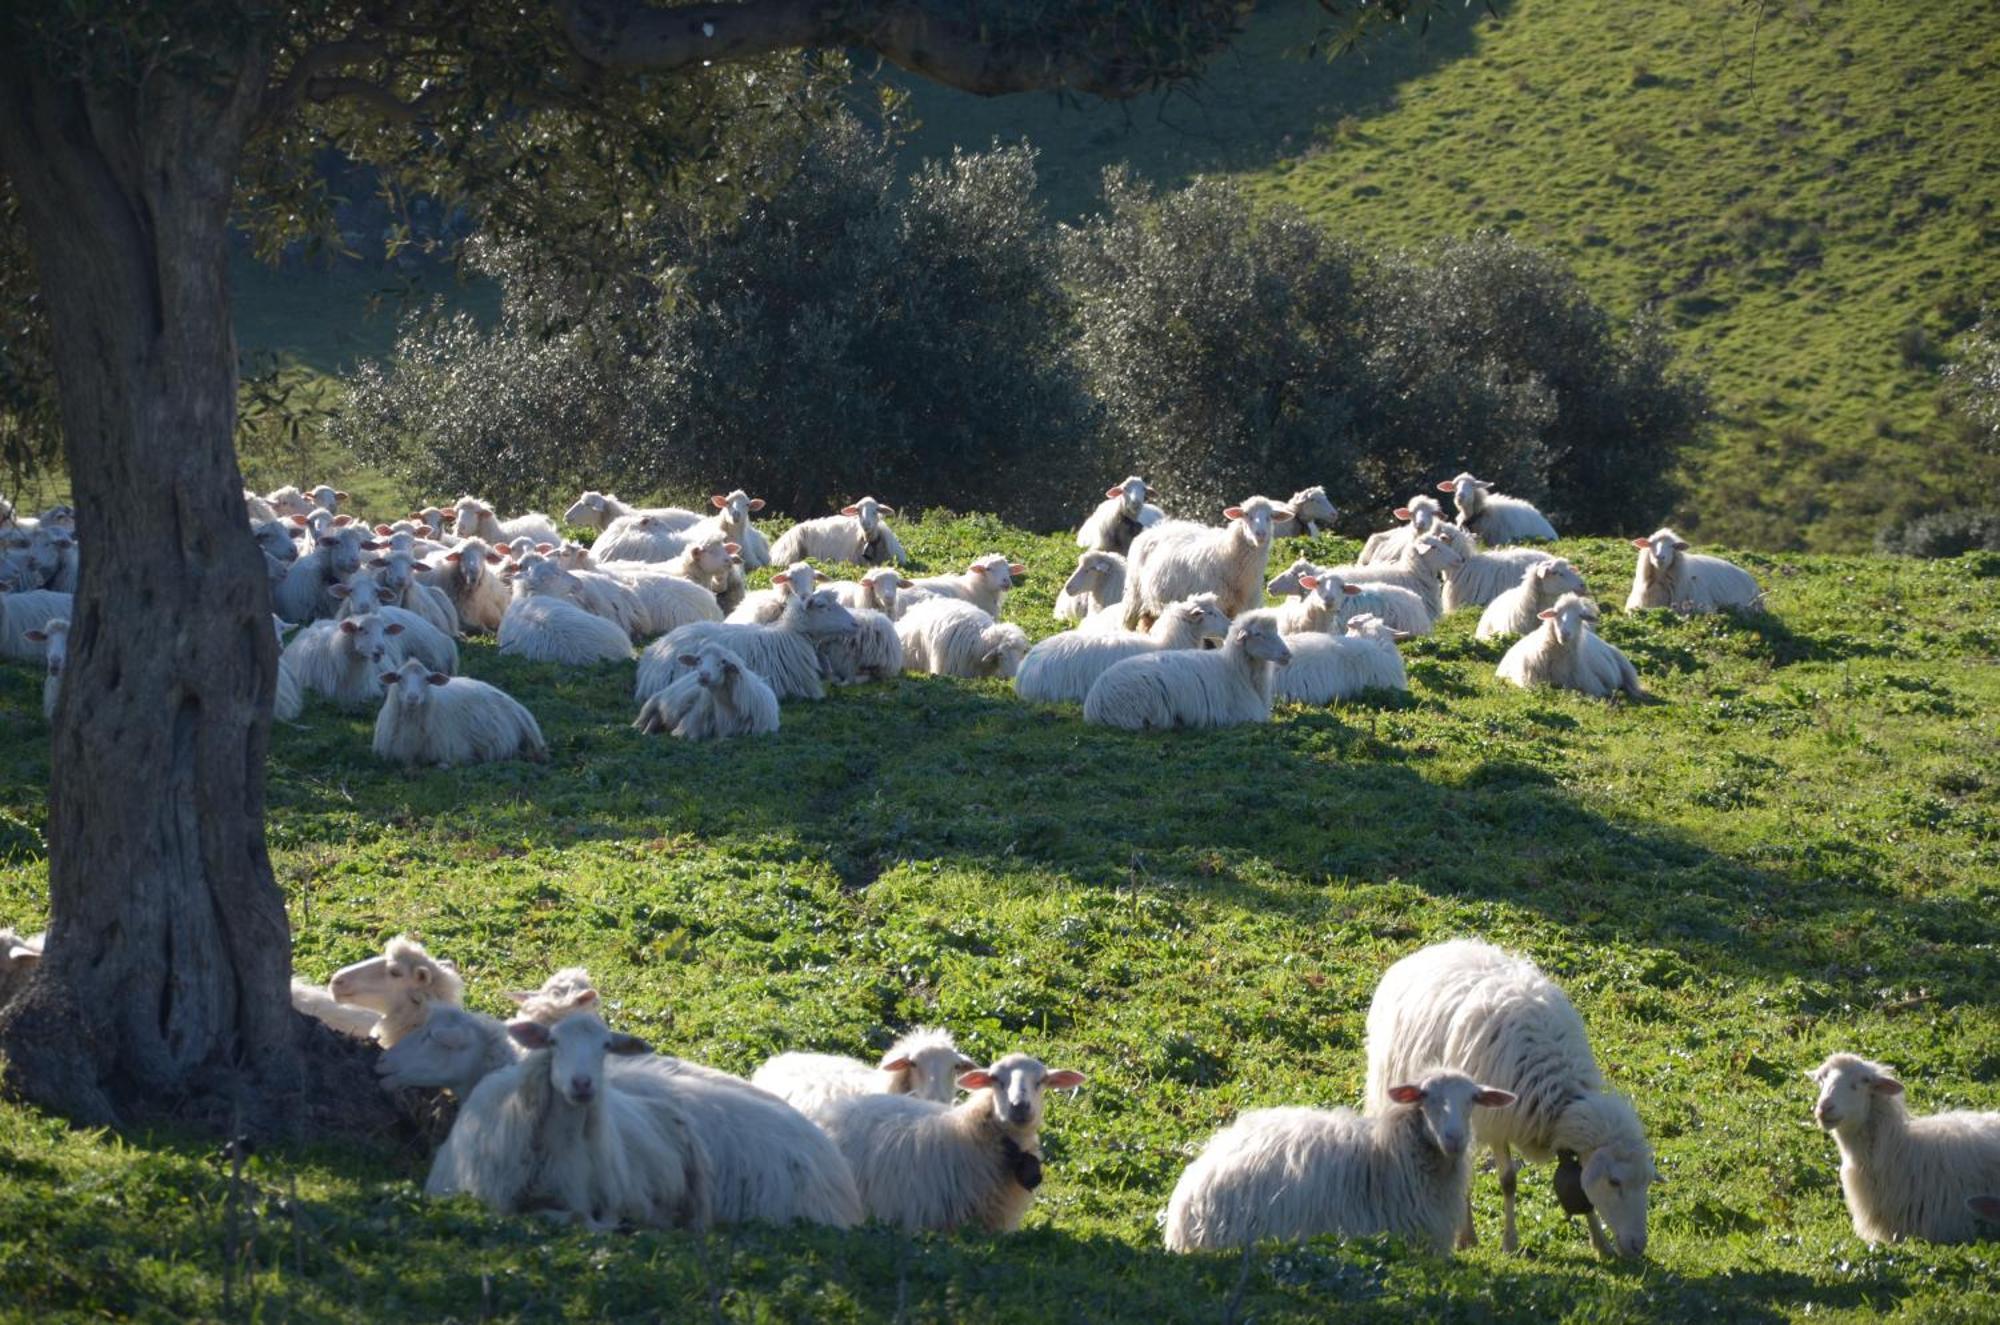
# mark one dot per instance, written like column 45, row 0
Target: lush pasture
column 1795, row 850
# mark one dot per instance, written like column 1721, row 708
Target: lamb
column 32, row 610
column 1296, row 1173
column 1218, row 688
column 598, row 510
column 879, row 590
column 1124, row 514
column 874, row 652
column 1326, row 668
column 1339, row 602
column 1904, row 1177
column 784, row 653
column 1494, row 1015
column 1474, row 578
column 472, row 518
column 732, row 521
column 984, row 584
column 945, row 637
column 856, row 535
column 466, row 576
column 1567, row 653
column 923, row 1064
column 1496, row 518
column 921, row 1165
column 1668, row 575
column 1517, row 611
column 1062, row 668
column 431, row 718
column 54, row 639
column 307, row 592
column 399, row 986
column 717, row 697
column 767, row 605
column 343, row 660
column 542, row 624
column 1310, row 509
column 364, row 594
column 1097, row 583
column 556, row 1132
column 1388, row 545
column 1178, row 559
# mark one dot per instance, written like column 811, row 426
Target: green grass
column 1794, row 851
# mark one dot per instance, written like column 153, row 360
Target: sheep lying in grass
column 1310, row 509
column 923, row 1165
column 365, row 595
column 785, row 653
column 543, row 625
column 453, row 1049
column 923, row 1063
column 1668, row 575
column 1325, row 668
column 472, row 518
column 1218, row 688
column 856, row 536
column 715, row 698
column 1096, row 585
column 54, row 639
column 1497, row 1017
column 1496, row 518
column 701, row 584
column 1403, row 609
column 396, row 575
column 642, row 538
column 1062, row 668
column 343, row 660
column 316, row 1002
column 1519, row 609
column 1473, row 577
column 1297, row 1173
column 984, row 584
column 731, row 520
column 767, row 605
column 879, row 590
column 399, row 986
column 874, row 652
column 1906, row 1177
column 1388, row 545
column 307, row 592
column 1178, row 559
column 598, row 510
column 1567, row 654
column 428, row 717
column 943, row 637
column 1122, row 516
column 1417, row 570
column 468, row 575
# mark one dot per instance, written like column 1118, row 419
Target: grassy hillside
column 1793, row 852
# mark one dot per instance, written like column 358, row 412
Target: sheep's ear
column 964, row 1064
column 1547, row 614
column 393, row 629
column 583, row 998
column 820, row 577
column 529, row 1034
column 454, row 557
column 1492, row 1097
column 339, row 496
column 390, row 678
column 1117, row 491
column 886, row 510
column 495, row 557
column 349, row 626
column 621, row 1043
column 718, row 501
column 732, row 548
column 438, row 679
column 1017, row 569
column 1063, row 1079
column 1350, row 589
column 1445, row 486
column 342, row 521
column 384, row 529
column 1401, row 512
column 38, row 636
column 1308, row 581
column 756, row 503
column 1402, row 636
column 545, row 548
column 341, row 591
column 421, row 974
column 1886, row 1086
column 1282, row 512
column 298, row 520
column 1232, row 512
column 976, row 570
column 977, row 1079
column 905, row 584
column 522, row 995
column 1679, row 546
column 902, row 1064
column 1407, row 1094
column 850, row 510
column 1642, row 542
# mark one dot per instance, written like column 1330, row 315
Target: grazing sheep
column 1519, row 609
column 315, row 1002
column 767, row 605
column 428, row 717
column 1178, row 559
column 1296, row 1173
column 1218, row 688
column 1310, row 509
column 1474, row 578
column 856, row 535
column 923, row 1063
column 879, row 590
column 1905, row 1177
column 1566, row 653
column 468, row 576
column 472, row 518
column 544, row 625
column 400, row 986
column 1062, row 668
column 874, row 652
column 365, row 595
column 1122, row 516
column 1668, row 575
column 1325, row 668
column 785, row 652
column 944, row 637
column 30, row 610
column 54, row 639
column 1494, row 1015
column 1388, row 545
column 343, row 660
column 597, row 510
column 922, row 1165
column 984, row 584
column 1096, row 585
column 307, row 592
column 717, row 697
column 732, row 521
column 1496, row 518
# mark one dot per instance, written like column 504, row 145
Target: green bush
column 1942, row 534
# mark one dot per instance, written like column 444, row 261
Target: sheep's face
column 1017, row 1082
column 930, row 1072
column 412, row 682
column 1467, row 492
column 577, row 1047
column 712, row 668
column 536, row 574
column 403, row 974
column 1422, row 512
column 1089, row 573
column 1204, row 612
column 276, row 542
column 1447, row 1100
column 996, row 571
column 447, row 1050
column 1286, row 584
column 1006, row 645
column 568, row 990
column 798, row 578
column 869, row 512
column 1255, row 517
column 735, row 508
column 367, row 637
column 343, row 551
column 883, row 586
column 1257, row 634
column 394, row 573
column 1438, row 551
column 1661, row 548
column 1616, row 1179
column 54, row 639
column 1373, row 628
column 1132, row 495
column 825, row 617
column 467, row 514
column 431, row 518
column 327, row 497
column 288, row 501
column 1569, row 618
column 712, row 557
column 1847, row 1089
column 471, row 558
column 588, row 511
column 1556, row 578
column 1312, row 509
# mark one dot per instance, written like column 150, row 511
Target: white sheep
column 923, row 1063
column 288, row 501
column 1218, row 688
column 878, row 590
column 641, row 538
column 469, row 576
column 399, row 986
column 667, row 599
column 1906, row 1177
column 945, row 637
column 544, row 625
column 1178, row 559
column 1310, row 509
column 255, row 509
column 923, row 1165
column 1566, row 653
column 1062, row 668
column 785, row 652
column 565, row 991
column 364, row 594
column 717, row 697
column 1497, row 519
column 307, row 592
column 1519, row 609
column 874, row 652
column 1325, row 668
column 472, row 518
column 856, row 536
column 1494, row 1015
column 428, row 717
column 31, row 610
column 1124, row 514
column 343, row 660
column 1297, row 1173
column 1474, row 577
column 1332, row 602
column 1387, row 545
column 767, row 605
column 327, row 497
column 732, row 520
column 714, row 563
column 396, row 573
column 54, row 639
column 597, row 510
column 316, row 1002
column 1096, row 585
column 453, row 1049
column 984, row 584
column 1668, row 575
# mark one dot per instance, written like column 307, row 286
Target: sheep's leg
column 1468, row 1233
column 1510, row 1169
column 1597, row 1238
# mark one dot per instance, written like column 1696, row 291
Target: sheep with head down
column 1178, row 559
column 1310, row 510
column 1328, row 667
column 599, row 510
column 945, row 637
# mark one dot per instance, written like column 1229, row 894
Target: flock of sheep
column 1468, row 1047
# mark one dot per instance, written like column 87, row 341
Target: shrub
column 1942, row 534
column 1972, row 383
